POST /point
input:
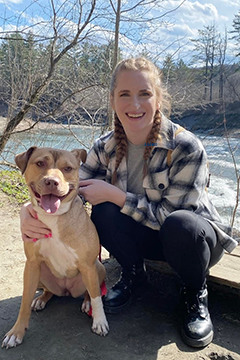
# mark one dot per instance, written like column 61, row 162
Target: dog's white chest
column 60, row 258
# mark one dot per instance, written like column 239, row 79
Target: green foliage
column 18, row 58
column 96, row 60
column 25, row 63
column 13, row 184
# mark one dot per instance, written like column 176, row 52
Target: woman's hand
column 32, row 229
column 98, row 191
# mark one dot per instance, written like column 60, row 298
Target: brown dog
column 66, row 263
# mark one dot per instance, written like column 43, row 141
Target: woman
column 147, row 181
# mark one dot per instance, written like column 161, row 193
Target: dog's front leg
column 90, row 279
column 31, row 279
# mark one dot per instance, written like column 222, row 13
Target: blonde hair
column 163, row 98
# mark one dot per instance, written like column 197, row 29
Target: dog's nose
column 52, row 183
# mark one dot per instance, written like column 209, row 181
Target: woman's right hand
column 32, row 229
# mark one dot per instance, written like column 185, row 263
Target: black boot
column 197, row 330
column 123, row 292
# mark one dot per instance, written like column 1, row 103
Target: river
column 223, row 181
column 223, row 184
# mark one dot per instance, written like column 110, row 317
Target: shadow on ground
column 148, row 330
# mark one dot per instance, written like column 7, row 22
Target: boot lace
column 193, row 302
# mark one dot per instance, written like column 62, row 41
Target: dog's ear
column 80, row 154
column 22, row 159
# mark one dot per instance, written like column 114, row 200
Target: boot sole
column 117, row 309
column 197, row 343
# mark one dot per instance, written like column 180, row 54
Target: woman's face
column 135, row 101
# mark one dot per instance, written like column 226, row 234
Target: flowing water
column 223, row 184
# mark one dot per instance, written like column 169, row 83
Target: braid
column 151, row 140
column 121, row 141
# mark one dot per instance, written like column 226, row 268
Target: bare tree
column 206, row 48
column 138, row 17
column 221, row 60
column 60, row 46
column 117, row 12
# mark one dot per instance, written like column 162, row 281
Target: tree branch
column 13, row 123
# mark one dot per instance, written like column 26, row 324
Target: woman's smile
column 135, row 116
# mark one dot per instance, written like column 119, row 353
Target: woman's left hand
column 98, row 191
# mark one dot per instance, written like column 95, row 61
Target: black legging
column 186, row 241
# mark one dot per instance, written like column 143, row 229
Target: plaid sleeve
column 141, row 210
column 187, row 179
column 96, row 165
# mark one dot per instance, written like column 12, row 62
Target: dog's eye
column 68, row 169
column 40, row 163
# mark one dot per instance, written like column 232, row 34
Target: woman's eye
column 145, row 94
column 124, row 94
column 40, row 163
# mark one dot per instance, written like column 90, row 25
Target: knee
column 104, row 217
column 181, row 230
column 179, row 220
column 187, row 228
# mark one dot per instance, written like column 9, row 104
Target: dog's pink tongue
column 50, row 203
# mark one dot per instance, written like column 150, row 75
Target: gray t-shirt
column 135, row 168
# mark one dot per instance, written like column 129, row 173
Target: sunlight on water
column 222, row 192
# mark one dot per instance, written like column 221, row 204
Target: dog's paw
column 38, row 304
column 13, row 338
column 11, row 341
column 100, row 324
column 100, row 327
column 86, row 305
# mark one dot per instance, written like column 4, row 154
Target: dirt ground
column 148, row 330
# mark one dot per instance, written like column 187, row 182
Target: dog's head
column 51, row 176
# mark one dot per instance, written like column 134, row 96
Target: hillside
column 211, row 118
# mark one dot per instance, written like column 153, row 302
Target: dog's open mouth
column 49, row 202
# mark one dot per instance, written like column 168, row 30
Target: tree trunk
column 211, row 90
column 115, row 55
column 117, row 25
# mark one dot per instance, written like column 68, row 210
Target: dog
column 66, row 263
